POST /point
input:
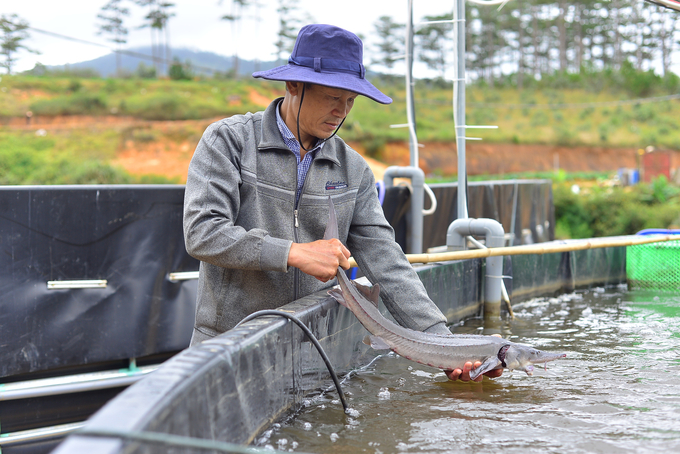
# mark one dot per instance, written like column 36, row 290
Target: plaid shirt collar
column 303, row 164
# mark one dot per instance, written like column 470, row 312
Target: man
column 256, row 200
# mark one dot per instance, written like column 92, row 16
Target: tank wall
column 130, row 236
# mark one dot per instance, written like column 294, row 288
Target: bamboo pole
column 541, row 248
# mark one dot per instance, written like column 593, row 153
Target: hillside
column 201, row 62
column 165, row 148
column 152, row 126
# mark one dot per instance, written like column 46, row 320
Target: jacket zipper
column 296, row 212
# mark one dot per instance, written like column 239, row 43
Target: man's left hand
column 464, row 374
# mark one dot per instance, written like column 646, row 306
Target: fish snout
column 545, row 357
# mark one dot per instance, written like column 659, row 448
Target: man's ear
column 294, row 88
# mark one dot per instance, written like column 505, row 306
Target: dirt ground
column 172, row 159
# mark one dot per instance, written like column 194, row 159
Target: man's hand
column 464, row 375
column 320, row 259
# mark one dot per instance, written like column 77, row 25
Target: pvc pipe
column 504, row 291
column 72, row 383
column 433, row 201
column 495, row 237
column 414, row 219
column 43, row 433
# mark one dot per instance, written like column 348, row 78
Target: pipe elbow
column 491, row 229
column 416, row 175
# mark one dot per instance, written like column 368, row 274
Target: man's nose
column 342, row 109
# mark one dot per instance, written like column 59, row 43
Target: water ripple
column 616, row 392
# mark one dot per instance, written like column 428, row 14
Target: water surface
column 618, row 390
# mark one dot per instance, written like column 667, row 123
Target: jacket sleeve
column 212, row 203
column 371, row 242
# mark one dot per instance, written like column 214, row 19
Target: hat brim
column 350, row 82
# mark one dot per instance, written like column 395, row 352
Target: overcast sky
column 196, row 25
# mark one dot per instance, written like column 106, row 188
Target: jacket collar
column 271, row 136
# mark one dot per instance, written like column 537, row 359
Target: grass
column 67, row 157
column 605, row 118
column 522, row 115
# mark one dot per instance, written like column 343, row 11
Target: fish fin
column 332, row 225
column 370, row 293
column 338, row 296
column 376, row 343
column 488, row 365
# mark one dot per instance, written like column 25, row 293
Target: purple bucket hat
column 330, row 56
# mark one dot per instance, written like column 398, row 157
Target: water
column 618, row 390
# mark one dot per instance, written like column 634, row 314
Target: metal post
column 410, row 103
column 459, row 118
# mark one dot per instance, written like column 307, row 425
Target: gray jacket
column 240, row 220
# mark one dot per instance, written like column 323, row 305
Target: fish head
column 523, row 358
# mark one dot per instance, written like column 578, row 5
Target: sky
column 196, row 25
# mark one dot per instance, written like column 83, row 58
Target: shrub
column 615, row 211
column 76, row 104
column 178, row 71
column 170, row 106
column 639, row 83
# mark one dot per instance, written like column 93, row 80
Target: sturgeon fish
column 446, row 352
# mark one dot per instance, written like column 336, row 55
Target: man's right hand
column 320, row 258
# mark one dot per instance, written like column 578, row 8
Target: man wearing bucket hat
column 256, row 200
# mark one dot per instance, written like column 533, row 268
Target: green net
column 654, row 266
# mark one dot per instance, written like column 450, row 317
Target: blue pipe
column 659, row 232
column 380, row 186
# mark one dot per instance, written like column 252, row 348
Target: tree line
column 114, row 22
column 529, row 38
column 526, row 38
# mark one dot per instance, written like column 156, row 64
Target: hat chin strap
column 302, row 97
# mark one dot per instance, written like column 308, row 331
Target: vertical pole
column 410, row 108
column 459, row 106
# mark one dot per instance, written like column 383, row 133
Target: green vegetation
column 602, row 108
column 607, row 211
column 149, row 99
column 584, row 109
column 73, row 157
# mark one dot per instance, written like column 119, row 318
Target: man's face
column 323, row 109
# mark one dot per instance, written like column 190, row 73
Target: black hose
column 311, row 338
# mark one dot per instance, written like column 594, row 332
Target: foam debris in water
column 353, row 413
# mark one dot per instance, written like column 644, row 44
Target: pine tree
column 390, row 45
column 14, row 32
column 434, row 42
column 112, row 16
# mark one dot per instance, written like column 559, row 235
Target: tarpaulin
column 130, row 236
